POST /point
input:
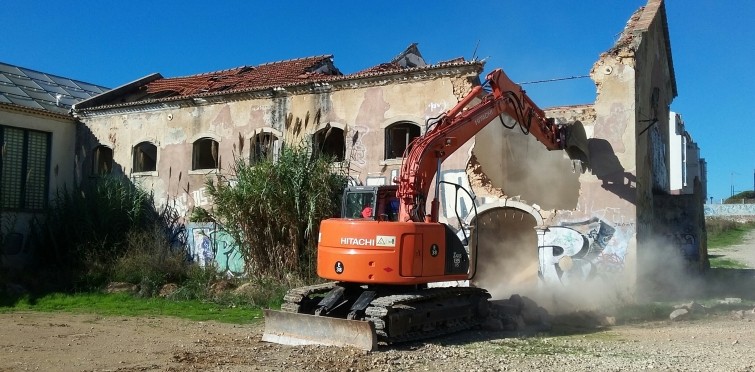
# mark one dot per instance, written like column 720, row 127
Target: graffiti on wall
column 724, row 210
column 208, row 245
column 198, row 198
column 358, row 155
column 686, row 243
column 580, row 250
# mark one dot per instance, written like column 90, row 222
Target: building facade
column 170, row 134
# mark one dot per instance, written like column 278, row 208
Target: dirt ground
column 67, row 342
column 721, row 339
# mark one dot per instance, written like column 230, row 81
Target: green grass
column 726, row 263
column 126, row 305
column 722, row 233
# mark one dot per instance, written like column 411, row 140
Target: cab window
column 359, row 205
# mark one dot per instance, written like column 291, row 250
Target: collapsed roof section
column 295, row 72
column 282, row 73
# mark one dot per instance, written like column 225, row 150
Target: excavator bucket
column 302, row 329
column 577, row 145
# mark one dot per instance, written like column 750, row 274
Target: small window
column 205, row 154
column 330, row 142
column 265, row 146
column 102, row 160
column 145, row 157
column 398, row 136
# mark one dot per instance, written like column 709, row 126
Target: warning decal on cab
column 385, row 241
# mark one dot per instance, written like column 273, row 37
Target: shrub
column 87, row 231
column 150, row 262
column 273, row 210
column 196, row 285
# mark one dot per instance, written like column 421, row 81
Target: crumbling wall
column 596, row 210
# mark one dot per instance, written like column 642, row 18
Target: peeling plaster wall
column 362, row 112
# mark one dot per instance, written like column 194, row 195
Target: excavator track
column 427, row 313
column 400, row 315
column 303, row 299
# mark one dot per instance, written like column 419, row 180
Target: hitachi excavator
column 384, row 250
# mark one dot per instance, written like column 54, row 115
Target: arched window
column 398, row 136
column 102, row 160
column 264, row 146
column 145, row 157
column 330, row 141
column 205, row 154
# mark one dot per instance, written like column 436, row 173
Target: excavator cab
column 370, row 202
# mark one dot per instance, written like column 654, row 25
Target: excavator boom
column 459, row 125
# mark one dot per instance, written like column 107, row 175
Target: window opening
column 102, row 160
column 145, row 157
column 398, row 138
column 330, row 142
column 205, row 154
column 265, row 146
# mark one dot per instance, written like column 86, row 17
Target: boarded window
column 24, row 168
column 205, row 154
column 330, row 142
column 398, row 136
column 145, row 157
column 265, row 146
column 102, row 160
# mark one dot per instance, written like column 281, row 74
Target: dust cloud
column 508, row 264
column 521, row 166
column 664, row 274
column 507, row 261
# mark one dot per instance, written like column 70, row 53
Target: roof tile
column 248, row 77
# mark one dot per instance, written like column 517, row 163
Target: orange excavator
column 385, row 249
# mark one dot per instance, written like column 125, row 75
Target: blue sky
column 113, row 42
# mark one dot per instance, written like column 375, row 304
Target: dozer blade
column 302, row 329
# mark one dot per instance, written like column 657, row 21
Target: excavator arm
column 457, row 126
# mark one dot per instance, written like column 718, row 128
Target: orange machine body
column 385, row 252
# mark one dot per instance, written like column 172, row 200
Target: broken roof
column 293, row 72
column 37, row 90
column 270, row 74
